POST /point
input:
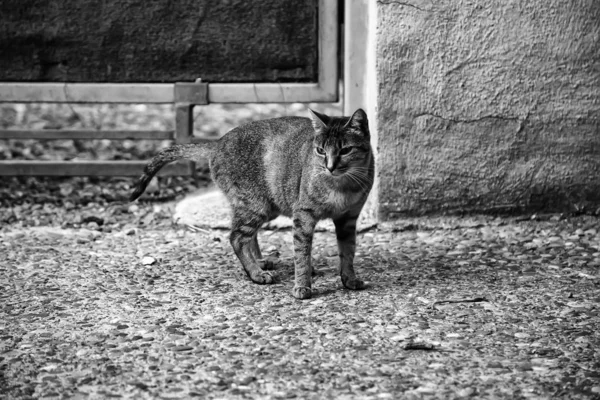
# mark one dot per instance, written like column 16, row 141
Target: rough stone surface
column 488, row 105
column 158, row 41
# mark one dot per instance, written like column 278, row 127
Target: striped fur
column 173, row 153
column 306, row 169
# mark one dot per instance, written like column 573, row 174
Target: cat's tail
column 176, row 152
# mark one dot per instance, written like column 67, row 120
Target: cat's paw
column 267, row 264
column 353, row 283
column 262, row 277
column 302, row 292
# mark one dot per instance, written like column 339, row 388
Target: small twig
column 419, row 346
column 365, row 229
column 198, row 229
column 472, row 300
column 423, row 346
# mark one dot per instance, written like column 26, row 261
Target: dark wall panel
column 158, row 41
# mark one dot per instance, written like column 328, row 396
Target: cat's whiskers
column 361, row 173
column 366, row 183
column 364, row 174
column 360, row 178
column 363, row 169
column 355, row 180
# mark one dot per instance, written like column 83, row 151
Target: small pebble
column 182, row 348
column 148, row 260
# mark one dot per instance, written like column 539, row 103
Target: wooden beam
column 53, row 134
column 268, row 93
column 25, row 92
column 195, row 93
column 87, row 168
column 184, row 122
column 324, row 91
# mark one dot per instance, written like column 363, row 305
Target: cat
column 308, row 169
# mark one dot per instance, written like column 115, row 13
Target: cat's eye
column 320, row 151
column 346, row 150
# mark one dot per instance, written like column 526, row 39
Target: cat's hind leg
column 264, row 264
column 244, row 227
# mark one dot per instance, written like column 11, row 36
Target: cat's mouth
column 343, row 174
column 336, row 173
column 353, row 176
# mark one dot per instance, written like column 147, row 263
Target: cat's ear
column 319, row 121
column 359, row 121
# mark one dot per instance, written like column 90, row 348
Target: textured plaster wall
column 488, row 105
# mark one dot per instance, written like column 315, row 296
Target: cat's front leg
column 345, row 231
column 304, row 229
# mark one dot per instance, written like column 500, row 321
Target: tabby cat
column 306, row 169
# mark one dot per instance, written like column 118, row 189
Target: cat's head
column 341, row 144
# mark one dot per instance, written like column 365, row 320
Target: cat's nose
column 331, row 164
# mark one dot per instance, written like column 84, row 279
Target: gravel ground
column 127, row 304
